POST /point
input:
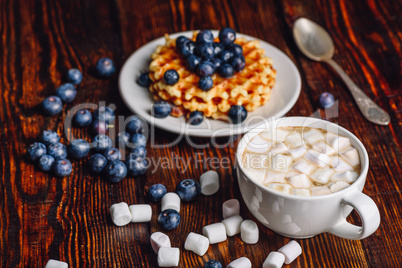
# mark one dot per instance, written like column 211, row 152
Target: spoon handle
column 369, row 109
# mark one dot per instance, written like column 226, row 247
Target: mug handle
column 369, row 215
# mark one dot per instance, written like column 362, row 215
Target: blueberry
column 116, row 171
column 97, row 163
column 204, row 36
column 123, row 138
column 49, row 137
column 196, row 118
column 237, row 114
column 101, row 142
column 82, row 118
column 74, row 76
column 66, row 92
column 169, row 219
column 36, row 150
column 192, row 62
column 213, row 264
column 326, row 100
column 136, row 166
column 205, row 51
column 144, row 80
column 238, row 63
column 134, row 125
column 188, row 190
column 226, row 70
column 205, row 68
column 99, row 127
column 78, row 148
column 104, row 113
column 227, row 36
column 218, row 48
column 52, row 105
column 62, row 167
column 139, row 152
column 156, row 192
column 205, row 83
column 57, row 150
column 187, row 48
column 45, row 162
column 138, row 140
column 105, row 67
column 216, row 62
column 161, row 109
column 171, row 77
column 112, row 154
column 225, row 56
column 181, row 40
column 236, row 49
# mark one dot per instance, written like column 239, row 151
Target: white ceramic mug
column 306, row 216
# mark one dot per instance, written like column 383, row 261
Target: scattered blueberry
column 45, row 162
column 236, row 49
column 238, row 63
column 205, row 83
column 218, row 48
column 204, row 36
column 213, row 264
column 134, row 125
column 205, row 51
column 112, row 154
column 97, row 163
column 237, row 114
column 156, row 192
column 144, row 80
column 82, row 118
column 104, row 113
column 138, row 140
column 225, row 56
column 169, row 219
column 62, row 167
column 171, row 77
column 181, row 40
column 326, row 100
column 226, row 70
column 196, row 118
column 216, row 62
column 101, row 142
column 139, row 152
column 205, row 68
column 57, row 150
column 49, row 137
column 99, row 127
column 187, row 48
column 78, row 148
column 74, row 76
column 136, row 166
column 66, row 92
column 105, row 67
column 116, row 171
column 52, row 105
column 227, row 36
column 161, row 109
column 36, row 150
column 188, row 190
column 123, row 138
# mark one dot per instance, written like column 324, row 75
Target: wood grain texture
column 44, row 217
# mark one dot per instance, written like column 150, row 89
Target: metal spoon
column 317, row 45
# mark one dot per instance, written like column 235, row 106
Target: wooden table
column 43, row 217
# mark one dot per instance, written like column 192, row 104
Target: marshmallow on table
column 347, row 176
column 215, row 232
column 197, row 243
column 249, row 232
column 159, row 240
column 168, row 257
column 232, row 225
column 230, row 207
column 337, row 186
column 56, row 264
column 291, row 250
column 242, row 262
column 120, row 214
column 141, row 213
column 322, row 175
column 209, row 182
column 170, row 201
column 274, row 260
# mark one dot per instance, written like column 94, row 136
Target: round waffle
column 250, row 87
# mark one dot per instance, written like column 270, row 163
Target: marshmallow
column 299, row 181
column 274, row 260
column 258, row 145
column 56, row 264
column 324, row 148
column 320, row 190
column 281, row 163
column 317, row 158
column 337, row 186
column 120, row 214
column 249, row 232
column 291, row 250
column 351, row 156
column 303, row 166
column 242, row 262
column 168, row 257
column 280, row 187
column 298, row 152
column 230, row 207
column 196, row 243
column 257, row 161
column 277, row 135
column 215, row 232
column 272, row 176
column 257, row 174
column 337, row 142
column 312, row 136
column 340, row 165
column 347, row 176
column 322, row 175
column 170, row 201
column 159, row 240
column 232, row 225
column 301, row 192
column 294, row 140
column 279, row 148
column 209, row 182
column 141, row 213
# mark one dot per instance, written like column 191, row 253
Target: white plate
column 139, row 100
